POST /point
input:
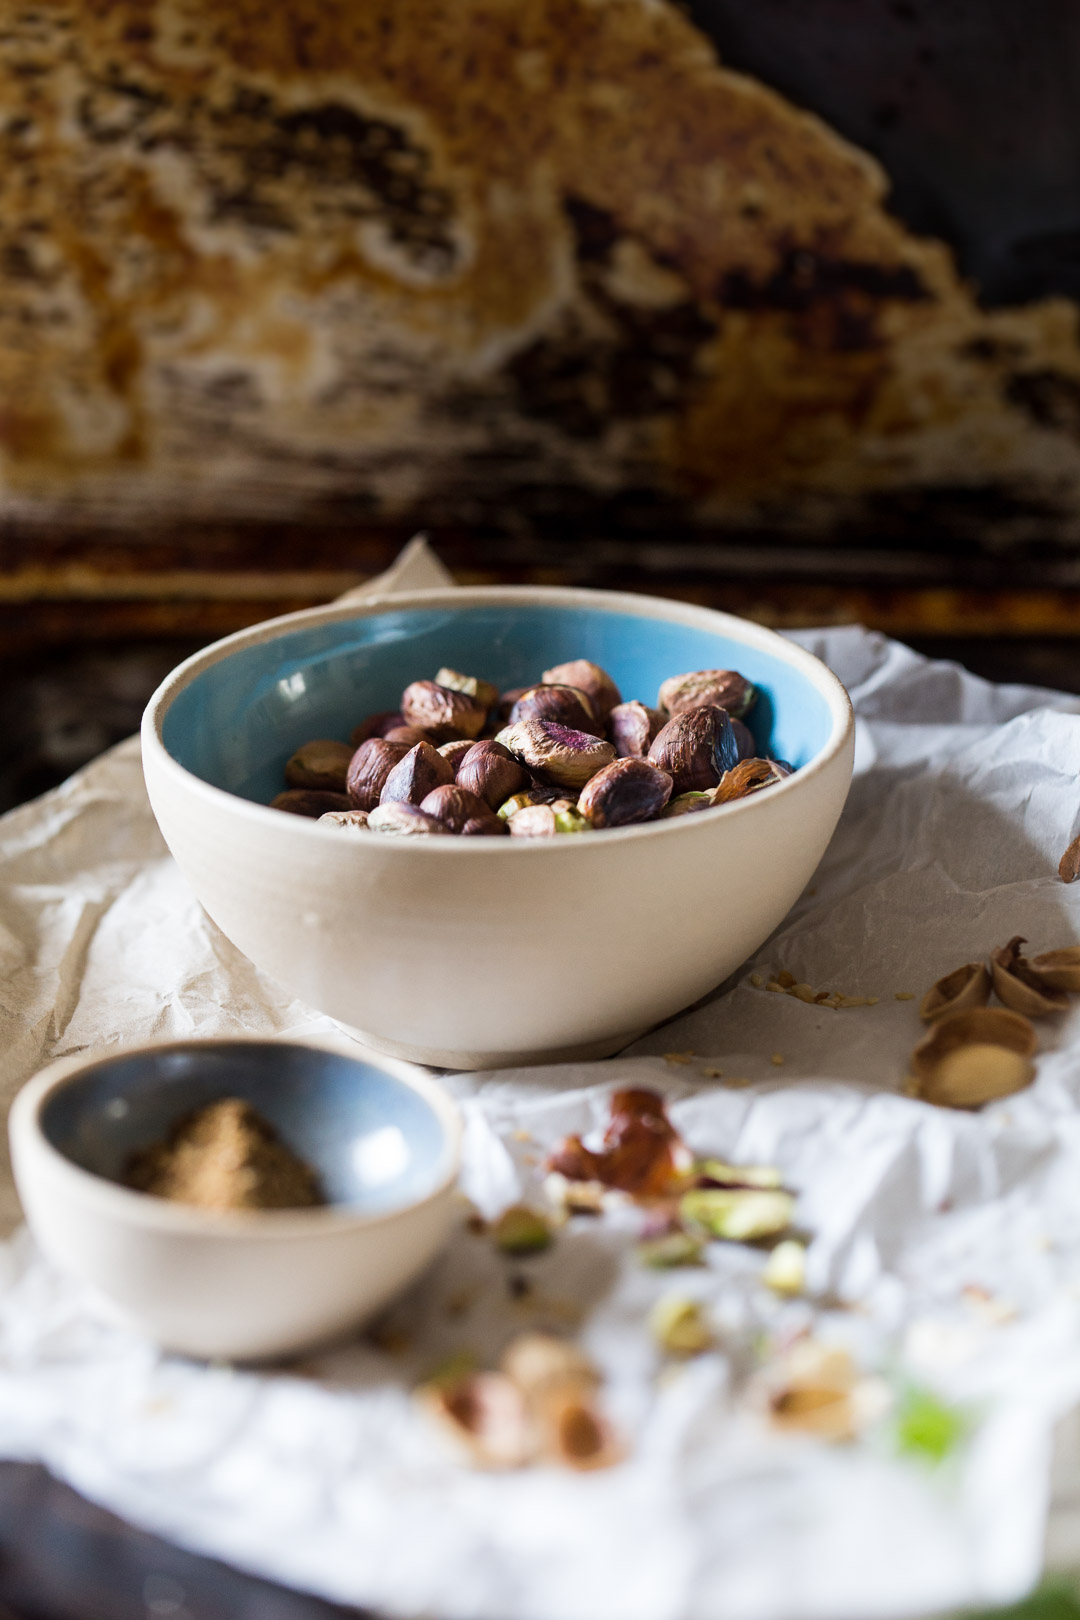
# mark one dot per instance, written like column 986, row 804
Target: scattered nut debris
column 757, row 980
column 642, row 1153
column 673, row 1249
column 680, row 1326
column 970, row 1058
column 903, row 995
column 786, row 980
column 520, row 1230
column 738, row 1214
column 1069, row 864
column 713, row 1074
column 575, row 1197
column 678, row 1057
column 777, row 1058
column 785, row 1269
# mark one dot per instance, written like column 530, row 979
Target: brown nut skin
column 722, row 688
column 695, row 748
column 560, row 754
column 455, row 806
column 589, row 678
column 631, row 728
column 455, row 751
column 321, row 764
column 749, row 776
column 411, row 735
column 471, row 685
column 491, row 771
column 413, row 777
column 368, row 770
column 313, row 802
column 376, row 725
column 1019, row 987
column 506, row 703
column 625, row 792
column 744, row 739
column 959, row 991
column 485, row 827
column 400, row 820
column 564, row 704
column 424, row 703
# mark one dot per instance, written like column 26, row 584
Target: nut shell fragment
column 748, row 776
column 1059, row 969
column 1069, row 864
column 487, row 1415
column 471, row 685
column 1018, row 987
column 351, row 821
column 738, row 1214
column 966, row 987
column 979, row 1078
column 976, row 1074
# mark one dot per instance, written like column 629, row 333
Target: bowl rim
column 111, row 1198
column 690, row 614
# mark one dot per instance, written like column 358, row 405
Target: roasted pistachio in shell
column 425, row 703
column 368, row 770
column 970, row 1058
column 455, row 807
column 491, row 771
column 625, row 792
column 409, row 736
column 965, row 987
column 725, row 688
column 524, row 800
column 1019, row 987
column 695, row 748
column 313, row 802
column 322, row 764
column 350, row 821
column 413, row 777
column 749, row 776
column 485, row 826
column 376, row 725
column 687, row 804
column 547, row 820
column 632, row 727
column 471, row 685
column 565, row 704
column 1059, row 969
column 401, row 820
column 568, row 758
column 589, row 678
column 455, row 751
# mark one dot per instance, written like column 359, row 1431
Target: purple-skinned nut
column 589, row 678
column 368, row 770
column 455, row 751
column 491, row 771
column 625, row 792
column 547, row 820
column 427, row 704
column 322, row 764
column 632, row 727
column 507, row 701
column 744, row 739
column 413, row 777
column 565, row 757
column 454, row 806
column 749, row 776
column 722, row 688
column 696, row 747
column 376, row 725
column 313, row 802
column 564, row 704
column 411, row 735
column 397, row 819
column 485, row 827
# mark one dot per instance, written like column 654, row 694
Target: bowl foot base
column 439, row 1058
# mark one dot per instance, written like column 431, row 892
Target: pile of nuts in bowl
column 564, row 756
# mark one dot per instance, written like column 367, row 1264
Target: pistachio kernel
column 521, row 1231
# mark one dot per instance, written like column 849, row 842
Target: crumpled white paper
column 945, row 1252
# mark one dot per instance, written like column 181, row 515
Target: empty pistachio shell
column 1018, row 987
column 455, row 807
column 322, row 764
column 632, row 727
column 491, row 771
column 574, row 1433
column 695, row 748
column 981, row 1027
column 370, row 766
column 976, row 1074
column 520, row 1230
column 625, row 792
column 313, row 802
column 564, row 704
column 421, row 769
column 724, row 687
column 589, row 678
column 680, row 1326
column 737, row 1214
column 749, row 776
column 345, row 820
column 482, row 691
column 1059, row 969
column 401, row 820
column 568, row 758
column 964, row 988
column 1069, row 864
column 425, row 703
column 687, row 804
column 487, row 1414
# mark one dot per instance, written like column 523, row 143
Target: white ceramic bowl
column 477, row 953
column 245, row 1285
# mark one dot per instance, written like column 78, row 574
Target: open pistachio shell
column 1018, row 987
column 1069, row 864
column 1059, row 969
column 959, row 991
column 487, row 1415
column 969, row 1058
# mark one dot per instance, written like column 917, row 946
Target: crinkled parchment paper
column 945, row 1252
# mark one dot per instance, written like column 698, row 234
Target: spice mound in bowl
column 225, row 1156
column 412, row 914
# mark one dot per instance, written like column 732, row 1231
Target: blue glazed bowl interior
column 376, row 1144
column 236, row 723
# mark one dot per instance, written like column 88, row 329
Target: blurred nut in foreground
column 520, row 1230
column 695, row 748
column 966, row 987
column 680, row 1326
column 401, row 820
column 314, row 802
column 547, row 820
column 589, row 678
column 456, row 807
column 345, row 820
column 566, row 757
column 625, row 792
column 687, row 804
column 322, row 764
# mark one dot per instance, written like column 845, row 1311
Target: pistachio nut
column 491, row 772
column 1018, row 987
column 632, row 727
column 744, row 739
column 982, row 1075
column 680, row 1326
column 738, row 1214
column 456, row 807
column 1059, row 969
column 1069, row 864
column 695, row 748
column 486, row 1414
column 565, row 757
column 718, row 1173
column 816, row 1389
column 540, row 1362
column 547, row 820
column 322, row 764
column 471, row 685
column 687, row 804
column 965, row 987
column 409, row 736
column 785, row 1269
column 589, row 678
column 525, row 799
column 425, row 703
column 724, row 688
column 368, row 770
column 418, row 771
column 507, row 700
column 520, row 1230
column 313, row 802
column 625, row 792
column 671, row 1249
column 485, row 826
column 564, row 704
column 749, row 776
column 345, row 820
column 574, row 1433
column 376, row 725
column 402, row 820
column 456, row 750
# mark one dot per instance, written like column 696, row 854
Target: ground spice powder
column 225, row 1156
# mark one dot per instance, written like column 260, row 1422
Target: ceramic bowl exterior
column 251, row 1284
column 474, row 953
